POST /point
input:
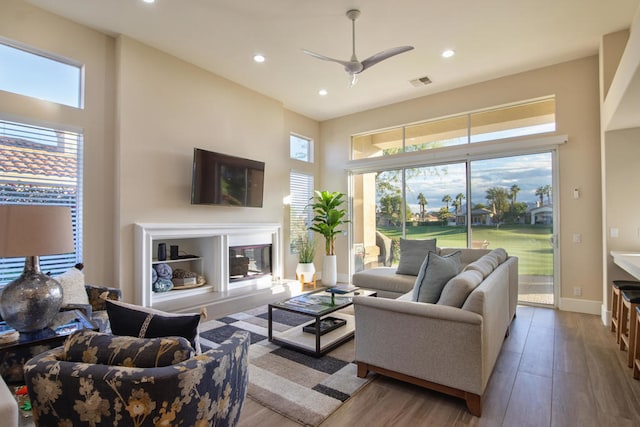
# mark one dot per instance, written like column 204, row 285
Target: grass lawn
column 530, row 243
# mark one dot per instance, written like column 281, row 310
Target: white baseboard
column 605, row 315
column 581, row 306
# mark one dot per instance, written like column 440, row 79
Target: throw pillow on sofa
column 434, row 273
column 73, row 290
column 412, row 255
column 143, row 322
column 106, row 349
column 456, row 291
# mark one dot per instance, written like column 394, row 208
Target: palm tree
column 459, row 198
column 423, row 202
column 514, row 193
column 447, row 199
column 547, row 192
column 540, row 192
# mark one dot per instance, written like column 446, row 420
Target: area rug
column 300, row 387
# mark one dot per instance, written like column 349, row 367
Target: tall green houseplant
column 328, row 217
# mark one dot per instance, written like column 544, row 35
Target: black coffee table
column 317, row 305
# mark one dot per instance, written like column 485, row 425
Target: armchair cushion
column 94, row 347
column 143, row 322
column 412, row 254
column 434, row 273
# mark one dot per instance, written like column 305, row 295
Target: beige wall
column 575, row 85
column 165, row 108
column 140, row 132
column 302, row 126
column 25, row 24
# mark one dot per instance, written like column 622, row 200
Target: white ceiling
column 492, row 38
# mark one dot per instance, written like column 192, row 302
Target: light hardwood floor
column 556, row 369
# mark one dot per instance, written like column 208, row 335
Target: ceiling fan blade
column 381, row 56
column 325, row 58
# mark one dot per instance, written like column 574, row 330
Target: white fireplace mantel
column 209, row 243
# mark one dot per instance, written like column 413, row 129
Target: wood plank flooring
column 555, row 369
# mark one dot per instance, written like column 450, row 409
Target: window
column 300, row 190
column 28, row 72
column 301, row 148
column 41, row 165
column 533, row 117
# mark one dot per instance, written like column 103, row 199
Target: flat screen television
column 220, row 179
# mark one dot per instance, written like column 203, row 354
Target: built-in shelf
column 210, row 242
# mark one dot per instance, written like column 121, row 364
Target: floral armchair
column 204, row 390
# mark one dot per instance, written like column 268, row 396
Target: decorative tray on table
column 327, row 324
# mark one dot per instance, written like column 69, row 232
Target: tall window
column 28, row 72
column 300, row 191
column 527, row 118
column 40, row 165
column 301, row 148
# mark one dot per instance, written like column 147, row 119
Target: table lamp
column 31, row 301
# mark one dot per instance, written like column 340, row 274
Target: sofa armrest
column 95, row 295
column 439, row 344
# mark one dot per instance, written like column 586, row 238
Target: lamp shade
column 34, row 230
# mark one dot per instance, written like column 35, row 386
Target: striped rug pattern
column 303, row 388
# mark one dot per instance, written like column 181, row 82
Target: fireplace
column 249, row 262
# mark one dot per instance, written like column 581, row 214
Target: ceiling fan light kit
column 353, row 67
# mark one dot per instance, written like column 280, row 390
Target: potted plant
column 305, row 271
column 328, row 216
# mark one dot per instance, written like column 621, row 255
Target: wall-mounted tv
column 220, row 179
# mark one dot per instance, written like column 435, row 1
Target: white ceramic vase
column 329, row 271
column 305, row 272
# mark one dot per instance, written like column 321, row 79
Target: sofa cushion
column 434, row 273
column 456, row 291
column 412, row 255
column 73, row 291
column 94, row 347
column 144, row 322
column 384, row 279
column 501, row 254
column 483, row 265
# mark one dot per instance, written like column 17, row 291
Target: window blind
column 301, row 214
column 41, row 165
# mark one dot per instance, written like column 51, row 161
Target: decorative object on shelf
column 30, row 302
column 328, row 217
column 173, row 252
column 162, row 285
column 164, row 271
column 200, row 281
column 184, row 277
column 305, row 270
column 162, row 251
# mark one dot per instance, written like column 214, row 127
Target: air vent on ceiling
column 420, row 81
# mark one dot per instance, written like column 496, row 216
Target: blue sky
column 529, row 172
column 39, row 77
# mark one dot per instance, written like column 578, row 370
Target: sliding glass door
column 512, row 208
column 502, row 202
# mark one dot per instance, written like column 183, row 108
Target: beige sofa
column 448, row 349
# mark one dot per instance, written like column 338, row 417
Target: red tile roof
column 24, row 160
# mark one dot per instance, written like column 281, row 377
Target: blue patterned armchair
column 203, row 390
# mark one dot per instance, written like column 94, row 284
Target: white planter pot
column 305, row 272
column 329, row 271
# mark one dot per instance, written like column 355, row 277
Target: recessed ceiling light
column 448, row 53
column 259, row 58
column 322, row 92
column 149, row 1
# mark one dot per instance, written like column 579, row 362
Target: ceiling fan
column 353, row 66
